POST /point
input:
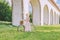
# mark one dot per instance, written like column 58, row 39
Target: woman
column 27, row 23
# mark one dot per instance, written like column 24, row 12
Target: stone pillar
column 17, row 12
column 49, row 18
column 58, row 19
column 26, row 15
column 54, row 18
column 36, row 14
column 42, row 17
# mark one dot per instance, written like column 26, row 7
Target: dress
column 27, row 24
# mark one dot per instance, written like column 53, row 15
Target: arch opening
column 36, row 12
column 46, row 15
column 54, row 18
column 30, row 11
column 51, row 17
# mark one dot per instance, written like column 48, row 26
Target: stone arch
column 51, row 17
column 57, row 18
column 45, row 15
column 54, row 17
column 36, row 10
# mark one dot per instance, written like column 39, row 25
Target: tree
column 5, row 11
column 31, row 17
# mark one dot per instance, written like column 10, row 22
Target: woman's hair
column 21, row 22
column 27, row 14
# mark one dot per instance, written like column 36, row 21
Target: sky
column 58, row 2
column 9, row 2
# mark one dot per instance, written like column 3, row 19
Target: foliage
column 5, row 11
column 31, row 17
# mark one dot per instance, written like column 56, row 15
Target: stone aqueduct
column 45, row 12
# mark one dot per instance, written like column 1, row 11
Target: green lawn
column 9, row 32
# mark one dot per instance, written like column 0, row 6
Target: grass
column 9, row 32
column 53, row 27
